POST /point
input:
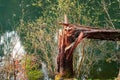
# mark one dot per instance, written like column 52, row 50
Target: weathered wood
column 95, row 33
column 70, row 37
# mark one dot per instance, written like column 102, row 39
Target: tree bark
column 70, row 37
column 68, row 41
column 95, row 33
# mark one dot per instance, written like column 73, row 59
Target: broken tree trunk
column 95, row 33
column 70, row 37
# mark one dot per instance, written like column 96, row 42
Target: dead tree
column 70, row 37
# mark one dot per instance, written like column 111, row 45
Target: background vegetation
column 36, row 21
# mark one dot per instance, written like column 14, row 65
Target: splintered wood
column 68, row 41
column 70, row 37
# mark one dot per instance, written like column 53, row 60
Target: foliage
column 6, row 69
column 40, row 36
column 37, row 39
column 32, row 67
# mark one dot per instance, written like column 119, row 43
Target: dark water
column 11, row 11
column 9, row 14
